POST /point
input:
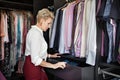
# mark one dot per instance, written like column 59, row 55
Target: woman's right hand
column 59, row 65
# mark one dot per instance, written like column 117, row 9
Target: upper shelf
column 111, row 65
column 15, row 5
column 21, row 1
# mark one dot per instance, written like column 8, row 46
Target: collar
column 37, row 28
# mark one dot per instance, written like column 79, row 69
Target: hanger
column 69, row 1
column 51, row 8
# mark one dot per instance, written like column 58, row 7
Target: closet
column 105, row 68
column 76, row 64
column 108, row 40
column 77, row 68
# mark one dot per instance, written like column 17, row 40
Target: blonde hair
column 44, row 14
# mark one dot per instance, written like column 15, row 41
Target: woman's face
column 46, row 24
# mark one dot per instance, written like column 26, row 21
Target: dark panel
column 22, row 1
column 39, row 4
column 58, row 4
column 15, row 5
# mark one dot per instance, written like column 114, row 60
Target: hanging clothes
column 61, row 43
column 118, row 58
column 13, row 30
column 91, row 36
column 2, row 34
column 74, row 28
column 114, row 13
column 109, row 13
column 77, row 31
column 68, row 26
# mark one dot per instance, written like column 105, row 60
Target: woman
column 36, row 49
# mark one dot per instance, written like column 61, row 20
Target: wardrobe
column 103, row 69
column 107, row 59
column 75, row 64
column 77, row 69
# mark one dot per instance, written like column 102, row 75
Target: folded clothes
column 71, row 62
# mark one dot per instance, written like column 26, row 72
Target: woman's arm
column 56, row 55
column 53, row 66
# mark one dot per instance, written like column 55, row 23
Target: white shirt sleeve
column 35, row 48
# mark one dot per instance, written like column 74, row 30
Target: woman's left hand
column 56, row 55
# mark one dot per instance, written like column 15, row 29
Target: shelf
column 112, row 72
column 111, row 65
column 22, row 1
column 70, row 71
column 15, row 5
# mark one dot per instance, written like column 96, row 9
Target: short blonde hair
column 44, row 14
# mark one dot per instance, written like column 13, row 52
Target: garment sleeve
column 35, row 47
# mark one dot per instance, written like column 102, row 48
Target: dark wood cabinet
column 76, row 69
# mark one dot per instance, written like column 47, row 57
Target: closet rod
column 16, row 3
column 11, row 9
column 70, row 0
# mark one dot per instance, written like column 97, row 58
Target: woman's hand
column 59, row 65
column 56, row 55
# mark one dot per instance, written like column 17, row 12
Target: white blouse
column 36, row 45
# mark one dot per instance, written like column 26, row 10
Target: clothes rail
column 69, row 0
column 10, row 9
column 16, row 5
